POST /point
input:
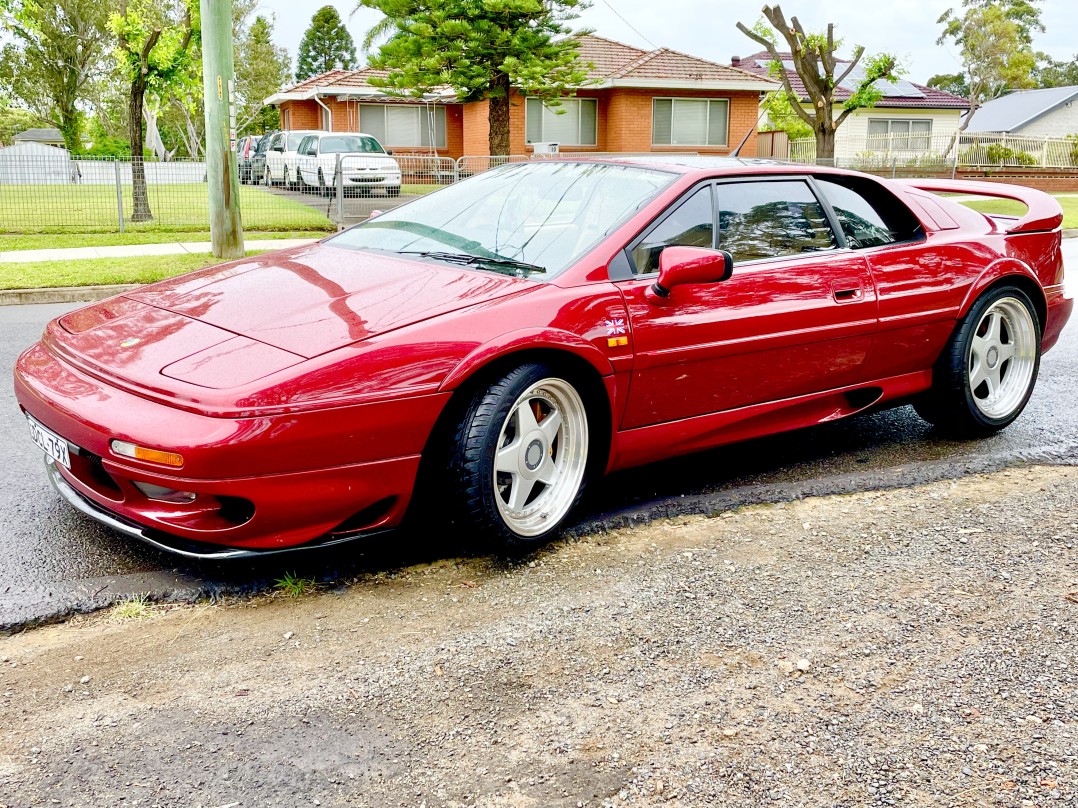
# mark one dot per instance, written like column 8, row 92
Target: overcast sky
column 705, row 28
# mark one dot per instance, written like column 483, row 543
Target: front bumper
column 259, row 484
column 174, row 544
column 372, row 179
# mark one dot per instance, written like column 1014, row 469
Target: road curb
column 62, row 294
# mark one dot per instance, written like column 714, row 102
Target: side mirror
column 679, row 266
column 389, row 151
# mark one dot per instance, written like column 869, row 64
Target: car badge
column 615, row 327
column 130, row 342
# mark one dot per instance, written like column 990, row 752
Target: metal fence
column 43, row 193
column 914, row 151
column 50, row 191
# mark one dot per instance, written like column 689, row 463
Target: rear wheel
column 519, row 456
column 986, row 375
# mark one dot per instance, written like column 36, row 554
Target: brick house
column 636, row 101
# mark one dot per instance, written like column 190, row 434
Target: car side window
column 771, row 219
column 690, row 224
column 869, row 215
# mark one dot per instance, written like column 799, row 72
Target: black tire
column 471, row 459
column 393, row 191
column 962, row 408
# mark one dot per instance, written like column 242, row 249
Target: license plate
column 49, row 442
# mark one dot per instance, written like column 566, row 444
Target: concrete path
column 127, row 250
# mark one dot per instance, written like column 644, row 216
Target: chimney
column 735, row 61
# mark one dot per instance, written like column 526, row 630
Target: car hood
column 318, row 298
column 365, row 160
column 228, row 326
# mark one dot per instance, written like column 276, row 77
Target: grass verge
column 176, row 207
column 57, row 241
column 102, row 271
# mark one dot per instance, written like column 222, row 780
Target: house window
column 574, row 121
column 901, row 134
column 286, row 119
column 404, row 125
column 690, row 121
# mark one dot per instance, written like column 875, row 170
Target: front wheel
column 985, row 376
column 519, row 456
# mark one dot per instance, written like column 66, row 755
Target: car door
column 275, row 157
column 306, row 159
column 797, row 315
column 921, row 278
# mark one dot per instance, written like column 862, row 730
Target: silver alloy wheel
column 1002, row 357
column 541, row 457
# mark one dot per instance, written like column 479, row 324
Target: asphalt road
column 54, row 561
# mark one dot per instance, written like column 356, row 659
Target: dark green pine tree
column 325, row 46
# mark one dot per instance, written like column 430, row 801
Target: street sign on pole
column 222, row 180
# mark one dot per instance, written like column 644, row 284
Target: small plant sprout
column 133, row 607
column 293, row 586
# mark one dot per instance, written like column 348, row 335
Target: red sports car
column 493, row 346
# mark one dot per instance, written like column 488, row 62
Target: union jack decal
column 615, row 327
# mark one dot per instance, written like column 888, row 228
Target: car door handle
column 847, row 291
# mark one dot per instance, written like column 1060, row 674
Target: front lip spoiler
column 175, row 544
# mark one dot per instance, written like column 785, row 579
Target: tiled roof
column 929, row 97
column 607, row 56
column 610, row 60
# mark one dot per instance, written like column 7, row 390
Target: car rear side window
column 691, row 224
column 869, row 214
column 771, row 219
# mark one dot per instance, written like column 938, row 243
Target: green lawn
column 51, row 241
column 1007, row 207
column 100, row 271
column 419, row 189
column 180, row 207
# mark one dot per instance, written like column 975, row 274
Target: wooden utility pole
column 218, row 78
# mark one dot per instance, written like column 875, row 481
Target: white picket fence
column 968, row 149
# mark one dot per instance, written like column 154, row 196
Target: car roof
column 339, row 134
column 711, row 165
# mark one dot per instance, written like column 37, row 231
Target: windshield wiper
column 469, row 259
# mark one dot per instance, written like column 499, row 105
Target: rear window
column 870, row 216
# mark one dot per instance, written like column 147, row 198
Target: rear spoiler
column 1044, row 212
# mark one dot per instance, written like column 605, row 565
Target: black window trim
column 619, row 267
column 629, row 264
column 920, row 234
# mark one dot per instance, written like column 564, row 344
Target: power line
column 618, row 13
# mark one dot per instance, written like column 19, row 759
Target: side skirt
column 635, row 447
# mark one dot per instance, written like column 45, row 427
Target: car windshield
column 294, row 140
column 530, row 219
column 350, row 144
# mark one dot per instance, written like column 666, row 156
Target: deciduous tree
column 1050, row 73
column 153, row 47
column 58, row 47
column 995, row 41
column 815, row 61
column 326, row 45
column 482, row 49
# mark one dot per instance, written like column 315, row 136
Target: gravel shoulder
column 910, row 647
